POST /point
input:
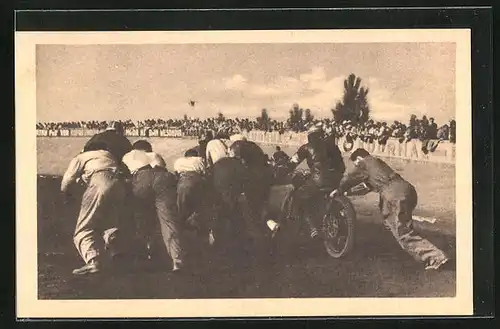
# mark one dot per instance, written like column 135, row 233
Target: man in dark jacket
column 230, row 182
column 113, row 138
column 327, row 166
column 398, row 199
column 280, row 156
column 260, row 175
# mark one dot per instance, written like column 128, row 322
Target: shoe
column 273, row 226
column 92, row 267
column 211, row 238
column 148, row 250
column 436, row 265
column 275, row 230
column 177, row 266
column 314, row 233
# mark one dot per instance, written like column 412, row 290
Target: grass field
column 376, row 268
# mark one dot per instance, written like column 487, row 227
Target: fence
column 412, row 150
column 135, row 132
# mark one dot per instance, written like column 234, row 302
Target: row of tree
column 353, row 106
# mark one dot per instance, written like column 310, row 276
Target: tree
column 264, row 121
column 295, row 121
column 220, row 117
column 308, row 117
column 354, row 105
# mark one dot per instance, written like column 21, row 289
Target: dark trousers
column 191, row 199
column 155, row 193
column 230, row 180
column 312, row 188
column 310, row 192
column 258, row 190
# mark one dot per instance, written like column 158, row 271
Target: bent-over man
column 155, row 193
column 216, row 149
column 230, row 181
column 113, row 138
column 102, row 201
column 260, row 178
column 191, row 188
column 398, row 199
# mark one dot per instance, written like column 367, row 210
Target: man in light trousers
column 102, row 201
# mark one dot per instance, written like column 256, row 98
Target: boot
column 436, row 264
column 313, row 230
column 91, row 267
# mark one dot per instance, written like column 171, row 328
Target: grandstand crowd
column 421, row 129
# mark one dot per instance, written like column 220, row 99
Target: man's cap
column 115, row 125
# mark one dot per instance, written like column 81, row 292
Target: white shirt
column 85, row 164
column 216, row 150
column 186, row 164
column 136, row 159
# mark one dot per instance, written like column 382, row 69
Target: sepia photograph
column 244, row 173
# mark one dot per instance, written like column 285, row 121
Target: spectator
column 424, row 129
column 280, row 156
column 432, row 129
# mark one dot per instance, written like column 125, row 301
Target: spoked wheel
column 338, row 226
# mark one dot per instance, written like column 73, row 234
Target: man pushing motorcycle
column 327, row 167
column 398, row 199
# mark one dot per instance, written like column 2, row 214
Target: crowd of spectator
column 422, row 129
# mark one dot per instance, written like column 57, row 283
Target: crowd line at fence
column 441, row 151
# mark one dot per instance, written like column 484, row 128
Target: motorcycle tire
column 345, row 221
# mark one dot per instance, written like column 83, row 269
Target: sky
column 108, row 82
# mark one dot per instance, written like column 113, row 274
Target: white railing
column 412, row 150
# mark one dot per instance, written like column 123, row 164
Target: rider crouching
column 327, row 167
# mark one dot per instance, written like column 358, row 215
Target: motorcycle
column 336, row 215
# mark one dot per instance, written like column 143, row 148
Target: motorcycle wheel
column 339, row 226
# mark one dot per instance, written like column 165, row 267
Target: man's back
column 216, row 149
column 136, row 159
column 190, row 164
column 249, row 152
column 118, row 145
column 381, row 177
column 97, row 160
column 85, row 164
column 322, row 156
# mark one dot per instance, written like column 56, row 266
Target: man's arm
column 353, row 177
column 208, row 156
column 91, row 141
column 159, row 161
column 202, row 167
column 73, row 172
column 297, row 158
